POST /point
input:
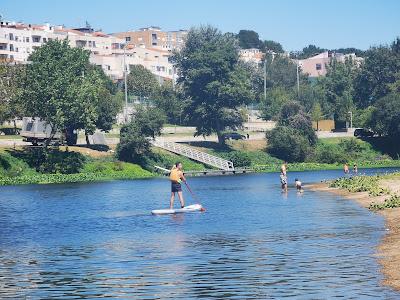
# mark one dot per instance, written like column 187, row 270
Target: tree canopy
column 134, row 143
column 63, row 89
column 212, row 80
column 141, row 82
column 248, row 39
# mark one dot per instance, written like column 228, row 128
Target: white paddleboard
column 189, row 208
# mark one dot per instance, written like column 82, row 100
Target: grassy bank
column 330, row 154
column 18, row 169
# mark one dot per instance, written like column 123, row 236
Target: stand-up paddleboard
column 190, row 208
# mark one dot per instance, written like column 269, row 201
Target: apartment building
column 154, row 37
column 18, row 41
column 154, row 60
column 317, row 65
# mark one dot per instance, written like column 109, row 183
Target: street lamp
column 126, row 86
column 351, row 119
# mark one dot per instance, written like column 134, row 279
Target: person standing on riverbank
column 283, row 176
column 346, row 169
column 176, row 177
column 355, row 169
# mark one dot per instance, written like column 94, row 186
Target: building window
column 127, row 39
column 36, row 39
column 90, row 43
column 44, row 40
column 318, row 67
column 154, row 36
column 94, row 44
column 11, row 47
column 11, row 37
column 27, row 39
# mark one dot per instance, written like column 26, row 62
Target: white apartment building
column 157, row 61
column 18, row 41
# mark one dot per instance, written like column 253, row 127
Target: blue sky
column 295, row 24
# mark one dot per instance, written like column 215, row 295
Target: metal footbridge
column 195, row 154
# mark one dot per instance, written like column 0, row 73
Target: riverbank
column 376, row 197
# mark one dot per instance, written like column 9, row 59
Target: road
column 9, row 143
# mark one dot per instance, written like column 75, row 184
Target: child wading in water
column 299, row 187
column 176, row 177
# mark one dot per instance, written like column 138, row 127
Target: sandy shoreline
column 388, row 250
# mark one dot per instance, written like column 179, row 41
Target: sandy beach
column 388, row 250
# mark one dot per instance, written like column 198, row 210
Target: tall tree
column 170, row 101
column 378, row 72
column 309, row 51
column 10, row 107
column 61, row 87
column 339, row 89
column 212, row 80
column 141, row 82
column 272, row 105
column 146, row 123
column 248, row 39
column 385, row 118
column 270, row 45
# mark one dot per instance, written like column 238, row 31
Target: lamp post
column 351, row 119
column 126, row 87
column 265, row 76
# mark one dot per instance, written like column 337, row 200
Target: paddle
column 193, row 195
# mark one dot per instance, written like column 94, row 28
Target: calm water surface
column 85, row 241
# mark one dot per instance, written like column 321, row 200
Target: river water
column 86, row 241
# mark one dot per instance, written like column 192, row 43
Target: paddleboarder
column 176, row 177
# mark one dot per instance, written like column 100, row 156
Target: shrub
column 288, row 144
column 51, row 160
column 134, row 136
column 240, row 159
column 330, row 154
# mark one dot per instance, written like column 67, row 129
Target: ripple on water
column 97, row 240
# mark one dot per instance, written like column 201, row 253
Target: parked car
column 363, row 132
column 233, row 136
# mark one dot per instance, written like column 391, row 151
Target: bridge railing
column 195, row 154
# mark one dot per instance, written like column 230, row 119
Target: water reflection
column 252, row 243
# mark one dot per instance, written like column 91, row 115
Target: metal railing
column 195, row 154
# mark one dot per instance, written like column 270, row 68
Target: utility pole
column 351, row 119
column 298, row 79
column 265, row 76
column 126, row 87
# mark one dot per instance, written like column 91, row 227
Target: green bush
column 11, row 166
column 288, row 144
column 135, row 136
column 330, row 154
column 51, row 160
column 240, row 159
